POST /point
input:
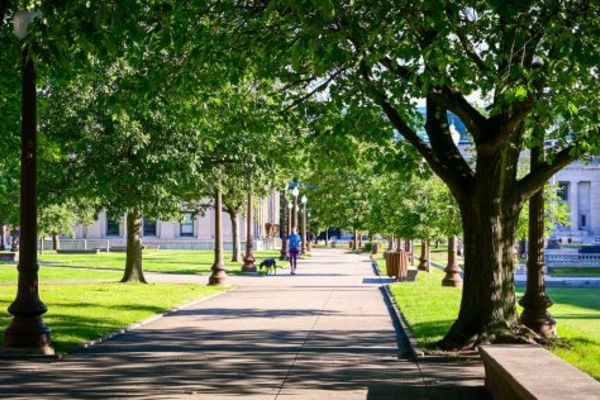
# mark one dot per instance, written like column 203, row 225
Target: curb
column 414, row 350
column 137, row 325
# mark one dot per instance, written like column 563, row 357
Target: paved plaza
column 326, row 333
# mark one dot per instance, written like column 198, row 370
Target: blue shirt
column 294, row 241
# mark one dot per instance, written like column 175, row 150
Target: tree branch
column 531, row 182
column 454, row 101
column 438, row 166
column 316, row 89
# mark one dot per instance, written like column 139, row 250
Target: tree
column 59, row 219
column 531, row 63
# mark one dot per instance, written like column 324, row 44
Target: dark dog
column 270, row 264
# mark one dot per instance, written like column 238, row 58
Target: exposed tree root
column 457, row 340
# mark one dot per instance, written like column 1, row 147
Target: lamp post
column 304, row 200
column 308, row 233
column 218, row 275
column 536, row 301
column 284, row 229
column 452, row 278
column 295, row 193
column 27, row 332
column 249, row 257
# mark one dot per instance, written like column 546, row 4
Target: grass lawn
column 78, row 313
column 430, row 310
column 168, row 261
column 8, row 274
column 589, row 272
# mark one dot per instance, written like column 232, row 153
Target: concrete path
column 325, row 333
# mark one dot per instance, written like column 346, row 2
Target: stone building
column 193, row 232
column 579, row 185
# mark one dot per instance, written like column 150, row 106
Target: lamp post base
column 452, row 282
column 27, row 335
column 452, row 278
column 249, row 265
column 218, row 277
column 540, row 322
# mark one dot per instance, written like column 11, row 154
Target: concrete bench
column 10, row 257
column 521, row 371
column 77, row 251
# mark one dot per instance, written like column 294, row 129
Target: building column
column 595, row 206
column 573, row 207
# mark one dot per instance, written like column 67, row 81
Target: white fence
column 196, row 244
column 572, row 259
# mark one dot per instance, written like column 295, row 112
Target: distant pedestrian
column 294, row 242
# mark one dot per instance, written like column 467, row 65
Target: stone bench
column 521, row 371
column 10, row 257
column 77, row 251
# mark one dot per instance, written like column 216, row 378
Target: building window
column 583, row 221
column 563, row 191
column 149, row 227
column 187, row 225
column 113, row 228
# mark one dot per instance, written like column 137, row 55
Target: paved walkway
column 325, row 333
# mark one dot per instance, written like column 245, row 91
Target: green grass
column 168, row 261
column 589, row 272
column 79, row 313
column 8, row 274
column 430, row 309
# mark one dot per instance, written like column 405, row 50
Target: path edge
column 136, row 325
column 414, row 350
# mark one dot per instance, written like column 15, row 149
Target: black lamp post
column 285, row 230
column 249, row 257
column 304, row 200
column 27, row 332
column 536, row 301
column 295, row 193
column 218, row 274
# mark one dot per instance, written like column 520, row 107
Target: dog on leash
column 270, row 265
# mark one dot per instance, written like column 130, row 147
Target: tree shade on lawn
column 8, row 274
column 196, row 262
column 430, row 310
column 79, row 313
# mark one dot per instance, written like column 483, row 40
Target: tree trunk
column 55, row 242
column 2, row 231
column 355, row 240
column 487, row 311
column 235, row 235
column 133, row 262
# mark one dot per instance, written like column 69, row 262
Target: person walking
column 294, row 243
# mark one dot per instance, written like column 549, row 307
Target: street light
column 285, row 228
column 290, row 207
column 249, row 257
column 295, row 193
column 304, row 200
column 27, row 332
